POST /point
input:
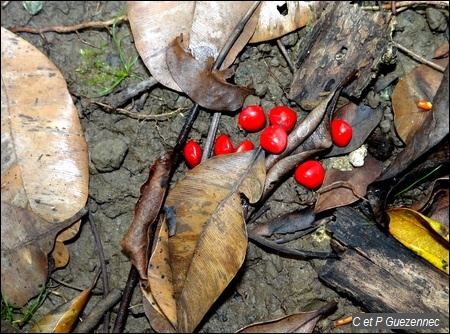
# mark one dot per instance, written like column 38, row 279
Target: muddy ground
column 123, row 148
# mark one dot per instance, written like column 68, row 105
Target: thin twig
column 136, row 115
column 63, row 29
column 106, row 303
column 286, row 55
column 207, row 149
column 122, row 314
column 101, row 257
column 419, row 58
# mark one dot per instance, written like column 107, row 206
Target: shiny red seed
column 274, row 139
column 284, row 117
column 341, row 132
column 310, row 174
column 246, row 145
column 223, row 145
column 252, row 118
column 192, row 153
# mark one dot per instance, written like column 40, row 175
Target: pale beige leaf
column 207, row 36
column 278, row 18
column 154, row 25
column 44, row 162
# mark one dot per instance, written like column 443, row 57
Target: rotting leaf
column 45, row 165
column 206, row 87
column 210, row 239
column 303, row 322
column 136, row 242
column 341, row 188
column 286, row 223
column 422, row 235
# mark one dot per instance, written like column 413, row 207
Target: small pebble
column 357, row 157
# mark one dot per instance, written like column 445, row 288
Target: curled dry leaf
column 45, row 172
column 203, row 85
column 208, row 243
column 432, row 132
column 341, row 188
column 303, row 322
column 136, row 242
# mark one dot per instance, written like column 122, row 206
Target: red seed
column 246, row 145
column 274, row 139
column 223, row 145
column 341, row 132
column 310, row 174
column 252, row 118
column 192, row 153
column 284, row 117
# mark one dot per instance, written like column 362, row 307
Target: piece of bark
column 381, row 274
column 344, row 39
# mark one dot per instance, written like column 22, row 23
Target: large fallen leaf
column 420, row 83
column 303, row 322
column 424, row 236
column 155, row 25
column 207, row 236
column 44, row 165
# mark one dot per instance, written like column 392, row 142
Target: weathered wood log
column 345, row 38
column 381, row 274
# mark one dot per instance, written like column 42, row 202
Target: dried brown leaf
column 63, row 318
column 206, row 87
column 210, row 238
column 346, row 187
column 303, row 322
column 420, row 83
column 136, row 242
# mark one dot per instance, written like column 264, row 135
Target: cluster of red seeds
column 273, row 139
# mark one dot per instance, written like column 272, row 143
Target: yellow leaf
column 424, row 236
column 62, row 319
